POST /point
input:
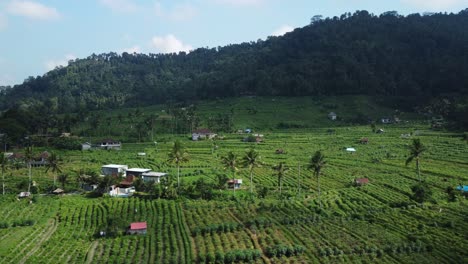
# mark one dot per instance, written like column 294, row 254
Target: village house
column 385, row 120
column 24, row 194
column 152, row 176
column 121, row 191
column 114, row 169
column 202, row 134
column 137, row 172
column 234, row 183
column 41, row 160
column 332, row 116
column 110, row 144
column 137, row 228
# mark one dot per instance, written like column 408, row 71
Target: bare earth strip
column 50, row 230
column 90, row 255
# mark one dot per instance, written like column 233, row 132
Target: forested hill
column 358, row 53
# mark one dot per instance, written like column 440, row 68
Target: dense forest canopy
column 423, row 56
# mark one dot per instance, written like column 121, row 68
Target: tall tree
column 251, row 160
column 178, row 155
column 28, row 157
column 317, row 162
column 230, row 163
column 280, row 170
column 53, row 164
column 3, row 161
column 63, row 178
column 416, row 149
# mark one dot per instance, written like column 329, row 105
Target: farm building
column 364, row 141
column 385, row 120
column 137, row 228
column 352, row 150
column 86, row 146
column 280, row 151
column 110, row 144
column 234, row 183
column 152, row 176
column 58, row 191
column 24, row 194
column 41, row 160
column 202, row 134
column 114, row 169
column 121, row 192
column 379, row 131
column 137, row 172
column 248, row 130
column 332, row 116
column 463, row 188
column 361, row 181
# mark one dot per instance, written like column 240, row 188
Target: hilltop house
column 110, row 144
column 114, row 169
column 202, row 134
column 332, row 116
column 137, row 228
column 152, row 176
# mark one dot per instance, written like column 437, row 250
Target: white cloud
column 241, row 2
column 436, row 5
column 169, row 44
column 52, row 64
column 33, row 10
column 122, row 6
column 180, row 12
column 3, row 22
column 131, row 50
column 282, row 30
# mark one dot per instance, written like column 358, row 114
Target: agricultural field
column 377, row 222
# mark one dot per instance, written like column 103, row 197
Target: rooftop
column 114, row 166
column 138, row 170
column 138, row 226
column 154, row 174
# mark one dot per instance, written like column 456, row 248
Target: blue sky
column 38, row 35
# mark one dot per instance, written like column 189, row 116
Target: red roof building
column 362, row 181
column 137, row 228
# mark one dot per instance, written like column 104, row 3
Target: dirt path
column 90, row 254
column 253, row 237
column 52, row 226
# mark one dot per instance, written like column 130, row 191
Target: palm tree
column 281, row 170
column 63, row 179
column 53, row 165
column 416, row 149
column 317, row 162
column 230, row 163
column 3, row 161
column 251, row 160
column 28, row 156
column 178, row 155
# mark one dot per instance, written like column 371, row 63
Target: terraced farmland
column 377, row 222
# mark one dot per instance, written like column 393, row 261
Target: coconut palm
column 53, row 164
column 317, row 162
column 251, row 160
column 63, row 179
column 230, row 163
column 178, row 155
column 281, row 170
column 28, row 157
column 416, row 149
column 3, row 161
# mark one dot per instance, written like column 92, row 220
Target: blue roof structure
column 463, row 188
